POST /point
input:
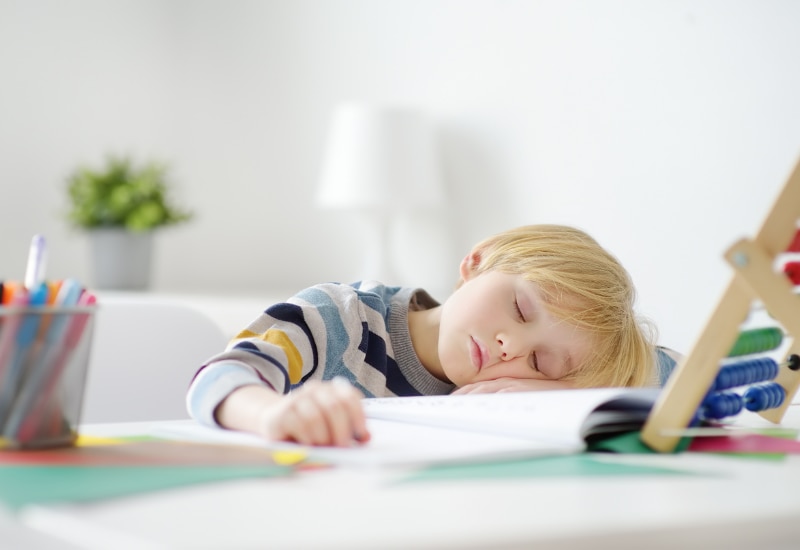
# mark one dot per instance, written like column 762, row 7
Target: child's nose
column 508, row 351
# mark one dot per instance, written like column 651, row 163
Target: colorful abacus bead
column 792, row 270
column 794, row 246
column 721, row 404
column 757, row 340
column 764, row 396
column 745, row 373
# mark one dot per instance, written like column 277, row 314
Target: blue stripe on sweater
column 292, row 313
column 337, row 337
column 372, row 301
column 396, row 382
column 374, row 348
column 665, row 365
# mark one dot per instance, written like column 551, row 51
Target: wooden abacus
column 755, row 279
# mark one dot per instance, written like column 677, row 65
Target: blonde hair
column 584, row 285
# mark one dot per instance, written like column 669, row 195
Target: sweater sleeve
column 213, row 384
column 280, row 345
column 666, row 361
column 283, row 347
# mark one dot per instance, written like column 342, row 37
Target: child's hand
column 500, row 385
column 317, row 413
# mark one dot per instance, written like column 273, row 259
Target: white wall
column 664, row 128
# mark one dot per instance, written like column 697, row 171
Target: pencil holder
column 44, row 355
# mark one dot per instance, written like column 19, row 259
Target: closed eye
column 535, row 362
column 519, row 311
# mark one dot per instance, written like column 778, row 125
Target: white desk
column 735, row 503
column 13, row 535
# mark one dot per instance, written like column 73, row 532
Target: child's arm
column 317, row 413
column 500, row 385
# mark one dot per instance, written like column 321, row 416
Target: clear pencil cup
column 44, row 356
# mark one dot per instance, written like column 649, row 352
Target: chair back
column 143, row 356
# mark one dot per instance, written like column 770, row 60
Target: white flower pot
column 121, row 259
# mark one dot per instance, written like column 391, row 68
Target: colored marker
column 24, row 340
column 12, row 319
column 37, row 257
column 64, row 335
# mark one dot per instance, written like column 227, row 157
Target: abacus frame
column 754, row 279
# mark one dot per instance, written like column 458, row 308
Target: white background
column 664, row 128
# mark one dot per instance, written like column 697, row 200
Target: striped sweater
column 357, row 331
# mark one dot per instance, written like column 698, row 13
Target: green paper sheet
column 581, row 465
column 23, row 485
column 630, row 443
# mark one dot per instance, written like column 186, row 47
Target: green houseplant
column 120, row 205
column 122, row 195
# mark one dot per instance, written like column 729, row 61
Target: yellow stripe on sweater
column 279, row 338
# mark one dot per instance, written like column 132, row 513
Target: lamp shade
column 380, row 158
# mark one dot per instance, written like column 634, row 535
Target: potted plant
column 120, row 205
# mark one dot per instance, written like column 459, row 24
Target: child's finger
column 310, row 420
column 320, row 416
column 323, row 415
column 295, row 418
column 343, row 413
column 353, row 397
column 290, row 424
column 335, row 418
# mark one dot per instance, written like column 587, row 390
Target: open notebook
column 462, row 428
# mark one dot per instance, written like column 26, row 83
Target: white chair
column 143, row 356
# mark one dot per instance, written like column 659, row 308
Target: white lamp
column 380, row 161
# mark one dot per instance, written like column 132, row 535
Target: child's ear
column 469, row 265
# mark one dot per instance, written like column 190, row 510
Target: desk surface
column 13, row 536
column 719, row 502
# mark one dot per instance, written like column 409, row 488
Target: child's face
column 495, row 325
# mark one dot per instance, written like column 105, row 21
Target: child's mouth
column 476, row 354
